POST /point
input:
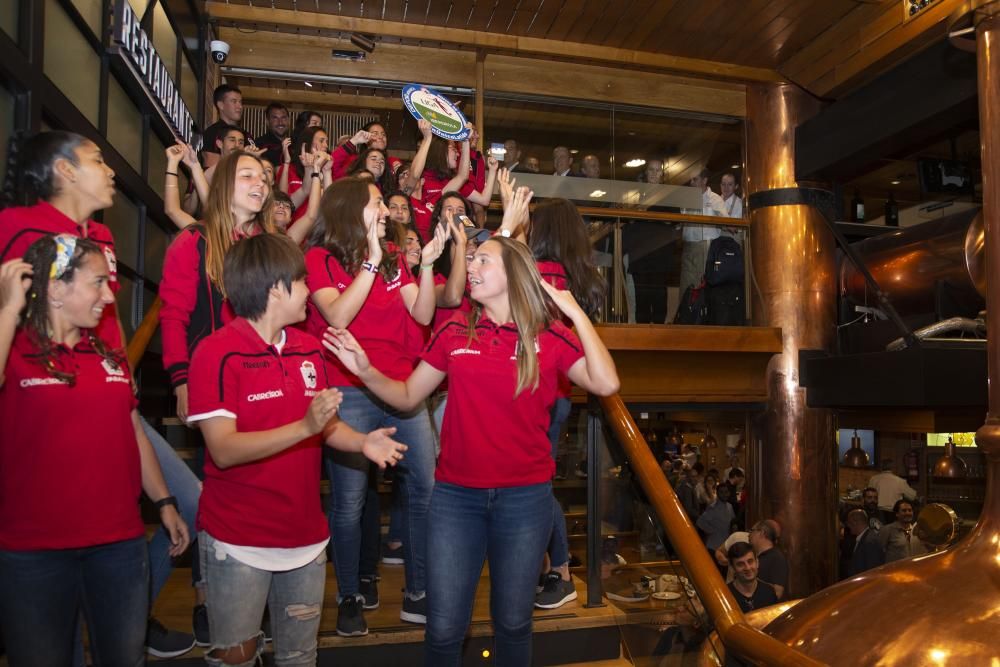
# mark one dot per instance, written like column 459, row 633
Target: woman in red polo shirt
column 239, row 205
column 297, row 167
column 360, row 282
column 260, row 391
column 73, row 462
column 492, row 498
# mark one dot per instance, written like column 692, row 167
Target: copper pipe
column 738, row 635
column 795, row 277
column 140, row 339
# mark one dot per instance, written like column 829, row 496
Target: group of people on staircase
column 379, row 326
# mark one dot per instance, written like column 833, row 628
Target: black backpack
column 724, row 263
column 725, row 305
column 692, row 309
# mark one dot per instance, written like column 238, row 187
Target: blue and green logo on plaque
column 426, row 103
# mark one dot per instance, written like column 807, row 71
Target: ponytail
column 31, row 163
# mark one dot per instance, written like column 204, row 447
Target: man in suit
column 867, row 550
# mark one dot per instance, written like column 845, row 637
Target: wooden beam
column 264, row 16
column 313, row 99
column 606, row 84
column 480, row 98
column 865, row 44
column 307, row 54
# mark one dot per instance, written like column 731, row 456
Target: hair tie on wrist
column 172, row 173
column 426, row 266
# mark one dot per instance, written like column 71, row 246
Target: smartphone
column 498, row 151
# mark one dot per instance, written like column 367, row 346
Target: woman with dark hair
column 56, row 181
column 557, row 238
column 492, row 497
column 374, row 161
column 304, row 120
column 372, row 135
column 72, row 441
column 299, row 166
column 359, row 281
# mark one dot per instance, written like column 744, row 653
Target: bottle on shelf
column 891, row 212
column 857, row 207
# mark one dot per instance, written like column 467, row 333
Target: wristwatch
column 505, row 233
column 368, row 266
column 163, row 502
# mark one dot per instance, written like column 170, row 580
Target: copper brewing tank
column 942, row 608
column 907, row 264
column 793, row 458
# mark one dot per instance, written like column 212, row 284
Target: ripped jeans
column 237, row 593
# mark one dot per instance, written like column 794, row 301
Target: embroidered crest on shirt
column 111, row 368
column 308, row 370
column 109, row 255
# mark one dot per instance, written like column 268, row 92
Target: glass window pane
column 157, row 163
column 123, row 220
column 90, row 10
column 154, row 251
column 189, row 86
column 126, row 305
column 165, row 41
column 124, row 124
column 6, row 124
column 70, row 62
column 8, row 19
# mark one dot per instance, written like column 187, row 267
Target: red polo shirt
column 380, row 326
column 273, row 502
column 489, row 438
column 434, row 186
column 422, row 218
column 294, row 185
column 23, row 225
column 69, row 461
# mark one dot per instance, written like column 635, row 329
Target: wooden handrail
column 140, row 339
column 738, row 635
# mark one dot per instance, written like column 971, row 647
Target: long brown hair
column 558, row 234
column 530, row 308
column 35, row 316
column 220, row 224
column 343, row 232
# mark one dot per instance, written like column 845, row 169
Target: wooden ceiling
column 758, row 33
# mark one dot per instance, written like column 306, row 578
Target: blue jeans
column 559, row 542
column 237, row 594
column 349, row 477
column 43, row 592
column 184, row 486
column 508, row 526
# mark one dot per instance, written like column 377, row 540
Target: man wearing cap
column 890, row 487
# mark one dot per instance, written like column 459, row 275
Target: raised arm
column 340, row 308
column 486, row 196
column 462, row 174
column 299, row 196
column 300, row 229
column 421, row 301
column 401, row 395
column 420, row 159
column 171, row 188
column 15, row 279
column 450, row 294
column 596, row 372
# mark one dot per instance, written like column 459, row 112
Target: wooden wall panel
column 605, row 84
column 311, row 55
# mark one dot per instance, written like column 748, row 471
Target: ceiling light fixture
column 895, row 181
column 309, row 85
column 734, row 166
column 635, row 162
column 598, row 193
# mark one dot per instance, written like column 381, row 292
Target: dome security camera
column 220, row 50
